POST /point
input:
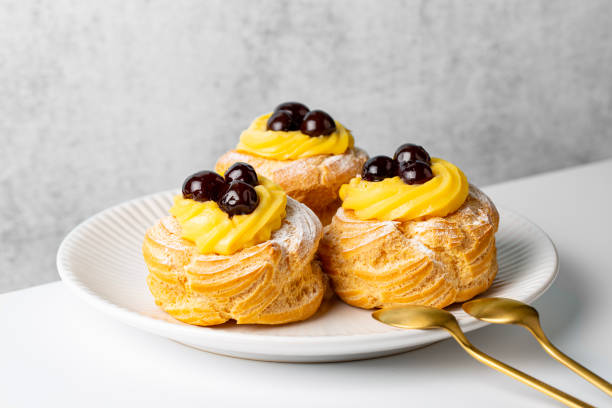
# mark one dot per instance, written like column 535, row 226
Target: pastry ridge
column 314, row 180
column 275, row 282
column 432, row 262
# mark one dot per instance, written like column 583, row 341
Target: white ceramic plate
column 101, row 260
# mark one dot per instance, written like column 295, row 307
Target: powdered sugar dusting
column 347, row 162
column 300, row 231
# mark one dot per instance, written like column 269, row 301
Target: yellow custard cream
column 392, row 199
column 214, row 231
column 291, row 145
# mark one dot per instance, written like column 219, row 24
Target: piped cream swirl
column 214, row 231
column 392, row 199
column 291, row 145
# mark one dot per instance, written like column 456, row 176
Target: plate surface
column 101, row 260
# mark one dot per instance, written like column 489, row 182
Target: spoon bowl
column 415, row 317
column 501, row 311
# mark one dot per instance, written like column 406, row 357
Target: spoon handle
column 536, row 330
column 484, row 358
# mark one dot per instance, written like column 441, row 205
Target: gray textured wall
column 105, row 101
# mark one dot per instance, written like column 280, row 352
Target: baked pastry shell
column 277, row 281
column 434, row 262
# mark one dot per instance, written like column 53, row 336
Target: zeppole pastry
column 306, row 152
column 411, row 230
column 235, row 248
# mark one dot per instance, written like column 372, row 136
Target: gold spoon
column 509, row 311
column 424, row 317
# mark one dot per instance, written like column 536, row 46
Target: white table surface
column 57, row 351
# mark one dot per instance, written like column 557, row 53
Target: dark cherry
column 415, row 172
column 410, row 152
column 298, row 111
column 378, row 168
column 239, row 198
column 203, row 186
column 318, row 123
column 240, row 171
column 280, row 121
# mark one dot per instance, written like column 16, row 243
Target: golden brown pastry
column 306, row 152
column 274, row 281
column 430, row 243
